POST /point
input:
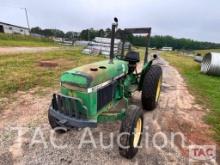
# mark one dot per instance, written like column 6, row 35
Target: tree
column 48, row 32
column 182, row 43
column 155, row 41
column 84, row 34
column 108, row 32
column 36, row 30
column 101, row 33
column 57, row 33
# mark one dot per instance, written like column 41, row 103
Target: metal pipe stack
column 211, row 64
column 198, row 59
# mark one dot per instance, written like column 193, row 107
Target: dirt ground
column 17, row 50
column 177, row 113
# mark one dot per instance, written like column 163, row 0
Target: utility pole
column 27, row 19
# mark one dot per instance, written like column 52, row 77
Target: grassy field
column 205, row 88
column 21, row 40
column 203, row 52
column 23, row 72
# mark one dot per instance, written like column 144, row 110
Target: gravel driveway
column 177, row 112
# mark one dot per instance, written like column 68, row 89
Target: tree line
column 156, row 41
column 169, row 41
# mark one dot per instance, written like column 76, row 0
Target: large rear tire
column 151, row 88
column 131, row 132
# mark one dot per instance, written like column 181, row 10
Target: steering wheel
column 119, row 57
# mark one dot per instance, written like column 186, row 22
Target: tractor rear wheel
column 131, row 132
column 151, row 87
column 54, row 124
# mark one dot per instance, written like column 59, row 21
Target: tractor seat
column 132, row 57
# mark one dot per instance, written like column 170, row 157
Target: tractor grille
column 105, row 95
column 69, row 106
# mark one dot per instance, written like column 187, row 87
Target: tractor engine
column 88, row 90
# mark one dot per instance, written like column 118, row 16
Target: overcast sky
column 196, row 19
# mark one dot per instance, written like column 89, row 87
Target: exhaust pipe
column 114, row 26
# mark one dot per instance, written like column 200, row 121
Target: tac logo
column 202, row 152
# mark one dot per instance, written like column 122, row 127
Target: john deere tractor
column 101, row 92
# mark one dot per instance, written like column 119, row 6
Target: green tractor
column 100, row 92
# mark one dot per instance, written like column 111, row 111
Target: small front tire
column 131, row 132
column 55, row 126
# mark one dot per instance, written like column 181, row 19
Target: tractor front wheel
column 54, row 124
column 131, row 132
column 151, row 87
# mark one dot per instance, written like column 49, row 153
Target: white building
column 166, row 48
column 13, row 29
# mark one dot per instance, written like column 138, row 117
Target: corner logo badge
column 202, row 152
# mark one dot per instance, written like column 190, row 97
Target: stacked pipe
column 198, row 58
column 211, row 64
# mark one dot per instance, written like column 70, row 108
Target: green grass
column 203, row 52
column 21, row 40
column 22, row 71
column 205, row 88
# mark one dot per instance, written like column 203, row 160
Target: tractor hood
column 94, row 74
